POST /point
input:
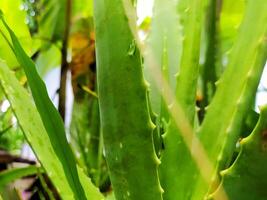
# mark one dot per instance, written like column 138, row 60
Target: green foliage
column 83, row 8
column 87, row 140
column 52, row 21
column 17, row 173
column 140, row 139
column 246, row 178
column 164, row 46
column 246, row 63
column 16, row 18
column 173, row 165
column 125, row 120
column 10, row 133
column 52, row 121
column 43, row 62
column 231, row 16
column 41, row 144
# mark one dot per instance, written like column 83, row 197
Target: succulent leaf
column 246, row 179
column 125, row 117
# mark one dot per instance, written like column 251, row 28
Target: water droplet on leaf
column 27, row 20
column 32, row 13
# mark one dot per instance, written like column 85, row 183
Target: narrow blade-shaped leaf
column 52, row 121
column 36, row 135
column 11, row 175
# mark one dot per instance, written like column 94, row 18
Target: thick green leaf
column 125, row 120
column 35, row 133
column 11, row 175
column 178, row 168
column 164, row 46
column 236, row 90
column 246, row 179
column 232, row 13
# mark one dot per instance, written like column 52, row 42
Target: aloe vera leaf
column 124, row 113
column 232, row 13
column 79, row 129
column 177, row 170
column 96, row 146
column 26, row 112
column 85, row 132
column 236, row 89
column 164, row 46
column 52, row 121
column 246, row 179
column 249, row 124
column 186, row 83
column 11, row 175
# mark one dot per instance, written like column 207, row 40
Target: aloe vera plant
column 139, row 115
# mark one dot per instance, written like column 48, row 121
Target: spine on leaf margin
column 220, row 129
column 249, row 167
column 178, row 169
column 126, row 124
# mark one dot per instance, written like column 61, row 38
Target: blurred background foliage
column 40, row 26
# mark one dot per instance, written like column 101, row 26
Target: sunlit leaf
column 44, row 63
column 52, row 121
column 16, row 17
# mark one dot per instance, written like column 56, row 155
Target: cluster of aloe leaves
column 170, row 118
